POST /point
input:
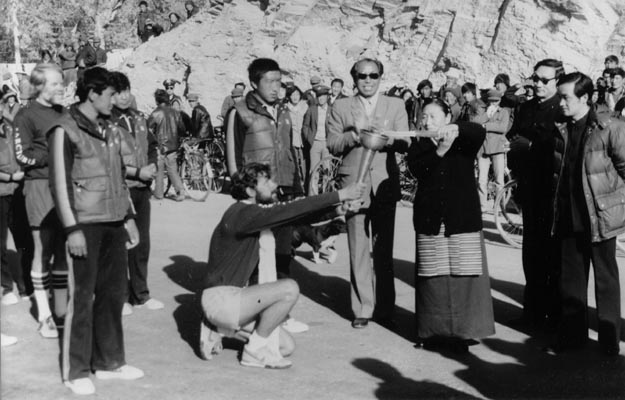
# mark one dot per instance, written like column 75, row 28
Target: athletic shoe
column 125, row 372
column 152, row 304
column 294, row 326
column 126, row 309
column 8, row 340
column 210, row 342
column 263, row 358
column 9, row 299
column 47, row 328
column 81, row 386
column 180, row 197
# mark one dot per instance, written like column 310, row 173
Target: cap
column 321, row 90
column 453, row 73
column 170, row 82
column 193, row 97
column 6, row 76
column 493, row 95
column 315, row 80
column 9, row 94
column 455, row 91
column 236, row 92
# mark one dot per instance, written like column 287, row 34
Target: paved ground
column 333, row 361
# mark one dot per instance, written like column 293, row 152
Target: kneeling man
column 242, row 241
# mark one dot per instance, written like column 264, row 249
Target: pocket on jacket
column 611, row 210
column 89, row 193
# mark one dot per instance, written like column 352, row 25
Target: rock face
column 415, row 39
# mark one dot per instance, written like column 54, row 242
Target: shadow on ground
column 394, row 385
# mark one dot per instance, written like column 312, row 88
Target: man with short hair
column 589, row 184
column 100, row 53
column 347, row 118
column 314, row 131
column 611, row 61
column 424, row 92
column 165, row 123
column 201, row 125
column 452, row 82
column 531, row 160
column 31, row 150
column 140, row 155
column 86, row 56
column 93, row 204
column 242, row 242
column 336, row 87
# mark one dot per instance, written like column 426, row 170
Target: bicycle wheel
column 323, row 175
column 217, row 165
column 195, row 177
column 508, row 215
column 407, row 184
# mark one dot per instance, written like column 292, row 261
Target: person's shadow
column 188, row 274
column 394, row 385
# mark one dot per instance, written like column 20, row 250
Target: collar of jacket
column 87, row 125
column 592, row 123
column 553, row 101
column 254, row 104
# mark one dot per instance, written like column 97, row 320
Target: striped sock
column 59, row 290
column 40, row 282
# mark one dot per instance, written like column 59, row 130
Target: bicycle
column 202, row 167
column 326, row 172
column 509, row 215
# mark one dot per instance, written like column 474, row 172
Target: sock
column 256, row 341
column 59, row 290
column 40, row 281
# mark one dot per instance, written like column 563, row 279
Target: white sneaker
column 47, row 328
column 294, row 326
column 210, row 342
column 263, row 358
column 125, row 372
column 152, row 304
column 81, row 386
column 9, row 299
column 8, row 340
column 127, row 309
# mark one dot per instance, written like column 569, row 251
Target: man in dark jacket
column 140, row 153
column 589, row 213
column 166, row 124
column 143, row 16
column 93, row 204
column 201, row 125
column 531, row 161
column 86, row 56
column 259, row 130
column 100, row 53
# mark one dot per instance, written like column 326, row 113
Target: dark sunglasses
column 544, row 81
column 169, row 87
column 373, row 76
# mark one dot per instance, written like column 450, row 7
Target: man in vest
column 92, row 200
column 259, row 130
column 140, row 152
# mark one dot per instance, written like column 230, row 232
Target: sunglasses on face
column 544, row 81
column 373, row 76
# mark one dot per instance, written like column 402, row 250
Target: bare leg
column 270, row 303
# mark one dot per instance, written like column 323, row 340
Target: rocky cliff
column 416, row 39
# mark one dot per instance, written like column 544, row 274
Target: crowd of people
column 75, row 193
column 148, row 25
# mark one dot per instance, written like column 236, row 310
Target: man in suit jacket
column 336, row 90
column 347, row 117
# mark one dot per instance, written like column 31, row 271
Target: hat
column 315, row 80
column 9, row 94
column 455, row 91
column 321, row 90
column 6, row 76
column 170, row 82
column 236, row 92
column 453, row 73
column 193, row 97
column 493, row 95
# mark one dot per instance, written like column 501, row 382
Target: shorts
column 222, row 307
column 39, row 203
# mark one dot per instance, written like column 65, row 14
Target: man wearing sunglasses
column 531, row 161
column 372, row 286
